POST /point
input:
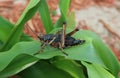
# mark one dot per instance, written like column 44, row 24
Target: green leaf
column 54, row 12
column 103, row 52
column 106, row 55
column 14, row 36
column 29, row 11
column 25, row 37
column 18, row 64
column 96, row 71
column 5, row 28
column 64, row 6
column 59, row 22
column 45, row 16
column 71, row 21
column 69, row 66
column 43, row 70
column 16, row 58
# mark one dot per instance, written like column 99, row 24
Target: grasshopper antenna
column 38, row 35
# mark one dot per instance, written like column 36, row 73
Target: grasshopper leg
column 60, row 46
column 43, row 45
column 72, row 32
column 63, row 35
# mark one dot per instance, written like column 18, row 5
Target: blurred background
column 99, row 16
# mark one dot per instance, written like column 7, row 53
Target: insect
column 60, row 40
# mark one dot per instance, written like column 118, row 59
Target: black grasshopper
column 60, row 40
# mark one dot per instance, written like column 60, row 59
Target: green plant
column 90, row 60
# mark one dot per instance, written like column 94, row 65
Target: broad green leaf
column 106, row 55
column 44, row 69
column 69, row 66
column 5, row 28
column 16, row 53
column 96, row 71
column 17, row 30
column 45, row 16
column 18, row 64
